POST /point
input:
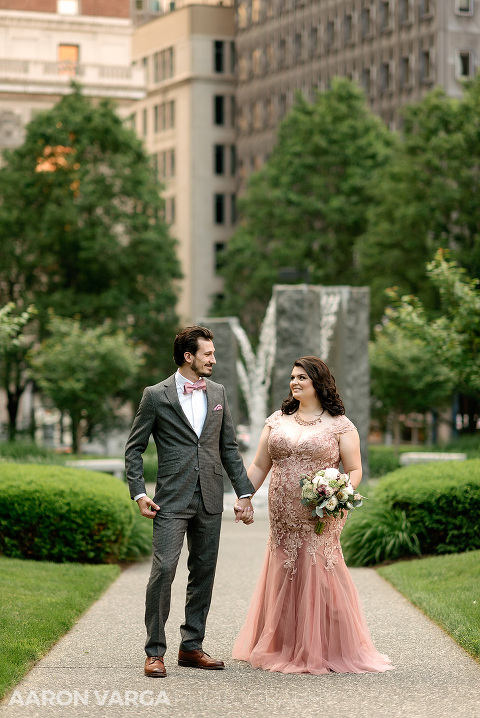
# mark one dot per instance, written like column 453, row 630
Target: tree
column 420, row 358
column 85, row 372
column 307, row 205
column 426, row 198
column 15, row 341
column 83, row 229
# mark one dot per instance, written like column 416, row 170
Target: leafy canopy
column 82, row 225
column 307, row 205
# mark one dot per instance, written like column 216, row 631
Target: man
column 191, row 424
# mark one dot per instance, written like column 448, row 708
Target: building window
column 156, row 115
column 67, row 7
column 347, row 29
column 425, row 65
column 233, row 160
column 144, row 122
column 313, row 41
column 385, row 79
column 219, row 109
column 219, row 159
column 172, row 162
column 255, row 10
column 145, row 69
column 218, row 55
column 464, row 7
column 68, row 56
column 282, row 53
column 385, row 18
column 405, row 11
column 298, row 47
column 366, row 22
column 425, row 8
column 233, row 110
column 257, row 62
column 233, row 209
column 367, row 80
column 330, row 34
column 405, row 71
column 219, row 255
column 170, row 210
column 171, row 113
column 465, row 64
column 219, row 209
column 282, row 106
column 233, row 58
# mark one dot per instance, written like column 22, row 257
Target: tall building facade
column 44, row 44
column 187, row 121
column 397, row 50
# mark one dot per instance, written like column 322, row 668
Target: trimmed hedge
column 55, row 513
column 441, row 501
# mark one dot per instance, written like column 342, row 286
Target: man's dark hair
column 187, row 341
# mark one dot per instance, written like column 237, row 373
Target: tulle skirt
column 311, row 622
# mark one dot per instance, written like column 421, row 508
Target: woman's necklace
column 304, row 422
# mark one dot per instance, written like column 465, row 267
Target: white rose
column 331, row 503
column 342, row 495
column 331, row 474
column 349, row 489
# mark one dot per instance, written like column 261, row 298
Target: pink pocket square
column 219, row 407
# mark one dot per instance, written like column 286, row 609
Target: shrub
column 441, row 502
column 375, row 534
column 60, row 514
column 381, row 460
column 27, row 451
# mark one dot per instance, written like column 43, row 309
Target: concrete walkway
column 95, row 671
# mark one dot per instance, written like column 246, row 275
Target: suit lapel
column 172, row 396
column 211, row 391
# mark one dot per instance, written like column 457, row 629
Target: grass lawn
column 39, row 602
column 447, row 590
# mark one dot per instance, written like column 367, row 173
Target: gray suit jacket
column 183, row 458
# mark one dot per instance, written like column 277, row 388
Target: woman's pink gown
column 305, row 615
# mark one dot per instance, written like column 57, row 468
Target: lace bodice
column 296, row 451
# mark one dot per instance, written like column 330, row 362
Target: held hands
column 243, row 510
column 144, row 503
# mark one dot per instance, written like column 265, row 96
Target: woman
column 305, row 615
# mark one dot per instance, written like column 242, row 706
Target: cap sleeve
column 273, row 418
column 343, row 425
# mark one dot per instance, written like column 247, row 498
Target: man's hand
column 143, row 504
column 243, row 510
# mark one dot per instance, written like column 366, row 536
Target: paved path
column 102, row 658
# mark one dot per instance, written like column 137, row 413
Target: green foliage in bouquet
column 54, row 513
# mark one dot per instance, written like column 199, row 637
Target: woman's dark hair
column 324, row 384
column 187, row 341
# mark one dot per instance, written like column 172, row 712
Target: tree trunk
column 76, row 429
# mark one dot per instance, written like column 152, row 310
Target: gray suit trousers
column 203, row 535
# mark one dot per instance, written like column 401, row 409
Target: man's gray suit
column 189, row 491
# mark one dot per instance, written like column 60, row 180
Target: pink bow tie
column 200, row 384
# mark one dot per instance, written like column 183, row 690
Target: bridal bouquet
column 330, row 492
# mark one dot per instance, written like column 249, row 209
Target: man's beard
column 198, row 371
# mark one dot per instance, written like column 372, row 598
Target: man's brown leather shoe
column 199, row 659
column 155, row 667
